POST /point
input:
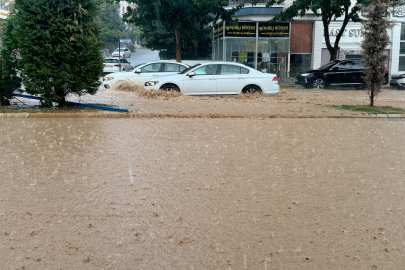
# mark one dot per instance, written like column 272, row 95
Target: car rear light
column 275, row 79
column 386, row 70
column 116, row 65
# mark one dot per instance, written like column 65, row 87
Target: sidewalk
column 289, row 103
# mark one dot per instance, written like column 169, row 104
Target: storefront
column 349, row 44
column 259, row 45
column 281, row 48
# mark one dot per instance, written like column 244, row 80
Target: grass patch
column 370, row 110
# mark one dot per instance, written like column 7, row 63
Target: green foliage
column 370, row 109
column 9, row 63
column 135, row 34
column 112, row 28
column 165, row 22
column 374, row 43
column 59, row 47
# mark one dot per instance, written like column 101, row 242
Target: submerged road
column 202, row 194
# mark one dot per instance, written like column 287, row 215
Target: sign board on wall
column 275, row 30
column 352, row 36
column 242, row 29
column 248, row 29
column 219, row 30
column 216, row 32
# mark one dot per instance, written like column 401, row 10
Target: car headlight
column 306, row 74
column 108, row 78
column 151, row 83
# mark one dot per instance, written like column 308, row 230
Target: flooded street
column 202, row 194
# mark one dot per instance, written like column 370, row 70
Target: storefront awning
column 259, row 11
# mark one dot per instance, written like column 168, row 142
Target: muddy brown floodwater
column 202, row 194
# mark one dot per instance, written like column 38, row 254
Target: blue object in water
column 78, row 104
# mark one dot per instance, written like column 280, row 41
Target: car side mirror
column 138, row 71
column 191, row 74
column 335, row 69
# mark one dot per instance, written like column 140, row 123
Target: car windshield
column 329, row 65
column 190, row 68
column 135, row 67
column 119, row 50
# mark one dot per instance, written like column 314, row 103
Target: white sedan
column 114, row 64
column 217, row 78
column 144, row 72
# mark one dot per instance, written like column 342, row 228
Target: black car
column 335, row 73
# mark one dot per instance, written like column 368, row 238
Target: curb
column 184, row 116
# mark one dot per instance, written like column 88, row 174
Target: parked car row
column 233, row 78
column 213, row 78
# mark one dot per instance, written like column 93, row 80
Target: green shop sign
column 276, row 30
column 219, row 31
column 242, row 29
column 248, row 29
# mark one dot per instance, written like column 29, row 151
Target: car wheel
column 319, row 83
column 251, row 89
column 170, row 87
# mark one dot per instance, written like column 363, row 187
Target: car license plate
column 108, row 66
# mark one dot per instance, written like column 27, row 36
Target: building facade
column 287, row 48
column 124, row 6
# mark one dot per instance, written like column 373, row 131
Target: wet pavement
column 202, row 194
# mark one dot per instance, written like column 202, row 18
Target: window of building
column 299, row 62
column 401, row 66
column 241, row 50
column 273, row 54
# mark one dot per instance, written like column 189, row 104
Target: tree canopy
column 9, row 64
column 58, row 41
column 178, row 18
column 112, row 27
column 375, row 41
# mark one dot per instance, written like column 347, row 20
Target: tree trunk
column 372, row 90
column 334, row 49
column 331, row 49
column 178, row 45
column 62, row 102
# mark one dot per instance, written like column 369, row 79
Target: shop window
column 401, row 65
column 299, row 63
column 241, row 50
column 274, row 53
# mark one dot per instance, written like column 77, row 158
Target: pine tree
column 375, row 41
column 59, row 46
column 9, row 64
